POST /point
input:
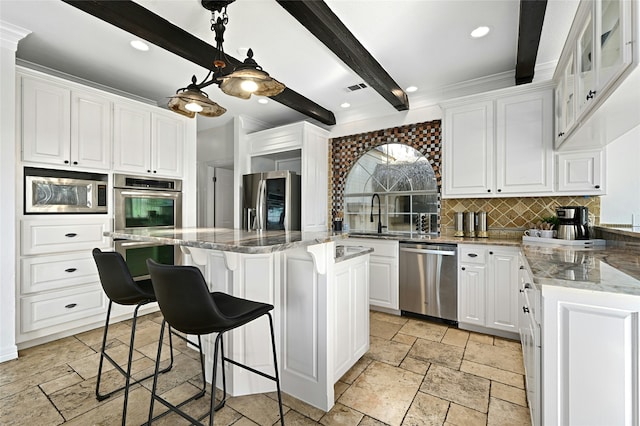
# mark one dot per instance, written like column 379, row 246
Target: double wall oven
column 142, row 203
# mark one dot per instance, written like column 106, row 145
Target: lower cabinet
column 59, row 285
column 383, row 271
column 488, row 288
column 590, row 362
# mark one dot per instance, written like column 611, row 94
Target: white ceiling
column 424, row 43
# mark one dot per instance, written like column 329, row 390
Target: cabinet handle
column 148, row 171
column 521, row 266
column 527, row 285
column 499, row 190
column 71, row 305
column 70, row 270
column 591, row 94
column 597, row 186
column 488, row 190
column 472, row 255
column 463, row 268
column 490, row 252
column 525, row 309
column 70, row 235
column 75, row 163
column 66, row 161
column 521, row 291
column 561, row 134
column 155, row 171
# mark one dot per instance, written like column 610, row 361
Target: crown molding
column 11, row 34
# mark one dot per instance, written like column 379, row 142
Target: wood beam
column 529, row 31
column 135, row 19
column 320, row 20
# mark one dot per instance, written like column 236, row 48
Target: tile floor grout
column 415, row 373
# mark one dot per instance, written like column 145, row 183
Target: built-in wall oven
column 146, row 203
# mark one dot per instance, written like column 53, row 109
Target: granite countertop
column 350, row 252
column 233, row 240
column 425, row 238
column 604, row 268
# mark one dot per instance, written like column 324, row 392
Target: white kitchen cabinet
column 488, row 289
column 499, row 144
column 597, row 52
column 303, row 144
column 351, row 325
column 383, row 272
column 147, row 142
column 581, row 172
column 64, row 125
column 590, row 363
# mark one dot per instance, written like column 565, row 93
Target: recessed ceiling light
column 345, row 105
column 139, row 45
column 480, row 32
column 411, row 89
column 263, row 101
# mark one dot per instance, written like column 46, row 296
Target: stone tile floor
column 415, row 373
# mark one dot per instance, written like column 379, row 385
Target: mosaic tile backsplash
column 509, row 217
column 346, row 150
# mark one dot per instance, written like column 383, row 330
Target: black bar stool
column 189, row 307
column 120, row 288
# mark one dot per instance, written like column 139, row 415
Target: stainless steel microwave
column 63, row 191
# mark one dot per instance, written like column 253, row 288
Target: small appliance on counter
column 573, row 223
column 470, row 224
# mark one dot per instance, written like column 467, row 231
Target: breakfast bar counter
column 320, row 295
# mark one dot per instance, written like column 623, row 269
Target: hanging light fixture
column 240, row 81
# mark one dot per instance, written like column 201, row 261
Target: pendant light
column 241, row 81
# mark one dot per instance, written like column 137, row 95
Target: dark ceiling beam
column 320, row 20
column 529, row 31
column 135, row 19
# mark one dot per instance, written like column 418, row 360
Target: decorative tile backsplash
column 346, row 150
column 508, row 217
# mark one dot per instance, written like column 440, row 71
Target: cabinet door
column 524, row 143
column 502, row 290
column 613, row 33
column 565, row 100
column 46, row 118
column 586, row 84
column 167, row 145
column 468, row 150
column 131, row 139
column 383, row 283
column 471, row 294
column 314, row 181
column 581, row 172
column 90, row 131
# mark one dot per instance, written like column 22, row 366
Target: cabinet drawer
column 47, row 310
column 472, row 254
column 56, row 272
column 47, row 236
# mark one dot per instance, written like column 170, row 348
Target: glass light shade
column 190, row 101
column 232, row 84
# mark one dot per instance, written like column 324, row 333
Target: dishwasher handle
column 427, row 251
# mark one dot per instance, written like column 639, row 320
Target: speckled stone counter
column 423, row 238
column 607, row 269
column 232, row 240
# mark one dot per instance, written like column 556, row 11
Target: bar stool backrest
column 185, row 300
column 116, row 279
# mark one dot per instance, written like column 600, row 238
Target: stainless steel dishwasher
column 428, row 280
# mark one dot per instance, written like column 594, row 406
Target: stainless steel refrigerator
column 271, row 201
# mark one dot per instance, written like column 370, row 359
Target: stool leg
column 100, row 397
column 127, row 380
column 212, row 410
column 155, row 373
column 275, row 365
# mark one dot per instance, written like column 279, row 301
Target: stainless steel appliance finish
column 482, row 231
column 470, row 224
column 271, row 201
column 64, row 192
column 458, row 219
column 147, row 203
column 428, row 280
column 574, row 223
column 141, row 202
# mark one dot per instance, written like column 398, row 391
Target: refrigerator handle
column 260, row 221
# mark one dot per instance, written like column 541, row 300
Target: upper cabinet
column 499, row 144
column 64, row 126
column 581, row 172
column 147, row 141
column 597, row 53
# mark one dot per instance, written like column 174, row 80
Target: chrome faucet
column 371, row 216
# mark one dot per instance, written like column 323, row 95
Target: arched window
column 406, row 184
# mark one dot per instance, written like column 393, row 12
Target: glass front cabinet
column 598, row 50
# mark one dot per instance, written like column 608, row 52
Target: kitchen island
column 582, row 358
column 321, row 303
